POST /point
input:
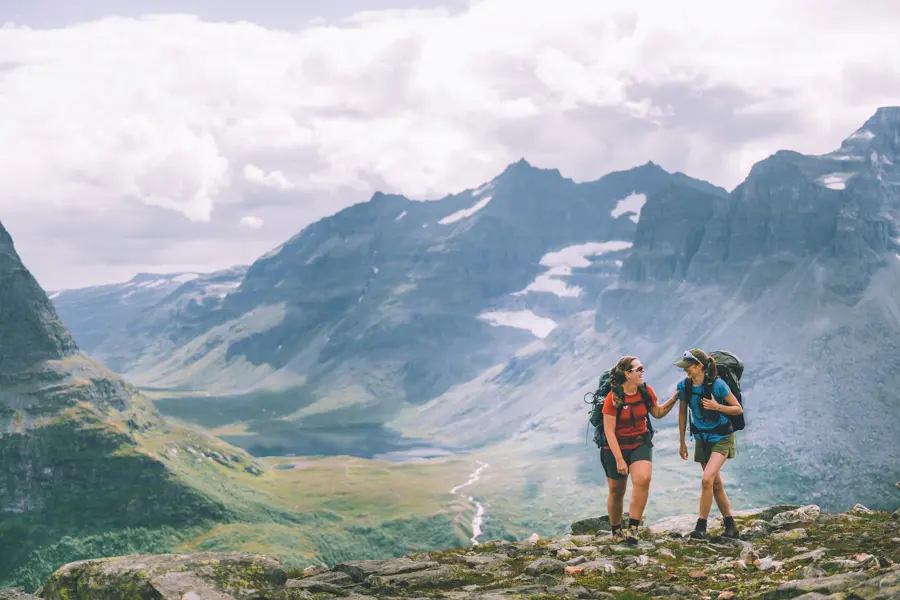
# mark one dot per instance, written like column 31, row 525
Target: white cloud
column 274, row 179
column 189, row 116
column 251, row 222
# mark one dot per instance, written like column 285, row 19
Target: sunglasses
column 688, row 356
column 639, row 369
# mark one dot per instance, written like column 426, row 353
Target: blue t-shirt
column 720, row 392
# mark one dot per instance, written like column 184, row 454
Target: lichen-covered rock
column 360, row 570
column 432, row 577
column 812, row 555
column 791, row 534
column 859, row 509
column 822, row 585
column 545, row 565
column 16, row 594
column 210, row 576
column 804, row 514
column 591, row 526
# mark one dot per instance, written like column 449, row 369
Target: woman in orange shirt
column 629, row 448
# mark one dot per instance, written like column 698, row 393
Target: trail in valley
column 478, row 517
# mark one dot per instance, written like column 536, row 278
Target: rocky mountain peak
column 522, row 169
column 30, row 330
column 878, row 138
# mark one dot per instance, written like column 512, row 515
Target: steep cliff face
column 673, row 223
column 841, row 208
column 76, row 472
column 30, row 329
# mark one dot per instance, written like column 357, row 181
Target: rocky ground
column 784, row 552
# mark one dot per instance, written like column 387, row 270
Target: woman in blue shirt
column 714, row 442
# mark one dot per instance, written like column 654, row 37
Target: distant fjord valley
column 408, row 375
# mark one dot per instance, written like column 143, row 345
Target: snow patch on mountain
column 153, row 283
column 862, row 134
column 185, row 277
column 561, row 263
column 221, row 290
column 632, row 203
column 878, row 159
column 465, row 213
column 521, row 319
column 400, row 216
column 483, row 189
column 835, row 181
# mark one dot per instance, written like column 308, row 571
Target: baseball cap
column 687, row 359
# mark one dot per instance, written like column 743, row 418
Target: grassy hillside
column 89, row 469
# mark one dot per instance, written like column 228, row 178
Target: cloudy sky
column 137, row 138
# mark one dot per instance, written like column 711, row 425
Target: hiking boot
column 618, row 536
column 631, row 535
column 731, row 530
column 698, row 534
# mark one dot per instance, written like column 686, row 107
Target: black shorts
column 608, row 459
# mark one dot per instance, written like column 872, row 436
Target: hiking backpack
column 729, row 369
column 599, row 396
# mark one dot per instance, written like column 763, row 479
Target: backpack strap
column 688, row 390
column 708, row 388
column 645, row 395
column 648, row 402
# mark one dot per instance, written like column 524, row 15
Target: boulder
column 206, row 575
column 591, row 526
column 804, row 514
column 821, row 585
column 360, row 570
column 16, row 594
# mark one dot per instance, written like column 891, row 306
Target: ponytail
column 617, row 378
column 710, row 370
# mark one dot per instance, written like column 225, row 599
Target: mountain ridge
column 447, row 276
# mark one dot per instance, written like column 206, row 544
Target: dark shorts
column 703, row 450
column 608, row 459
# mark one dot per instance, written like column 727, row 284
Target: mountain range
column 383, row 306
column 473, row 325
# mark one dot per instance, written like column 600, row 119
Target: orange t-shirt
column 634, row 407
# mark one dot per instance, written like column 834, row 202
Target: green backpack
column 596, row 416
column 729, row 369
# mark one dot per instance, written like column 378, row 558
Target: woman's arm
column 662, row 410
column 731, row 406
column 609, row 426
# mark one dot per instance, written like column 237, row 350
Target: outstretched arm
column 663, row 409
